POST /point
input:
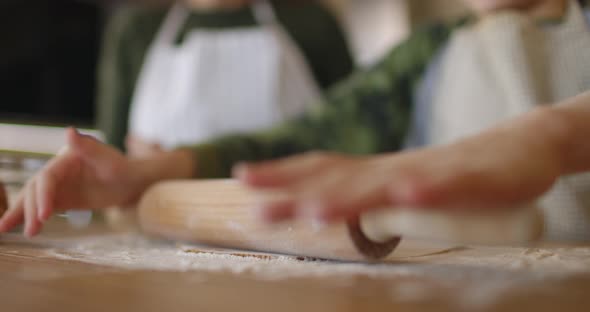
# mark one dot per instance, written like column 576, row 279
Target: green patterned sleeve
column 367, row 113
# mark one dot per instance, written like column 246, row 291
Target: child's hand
column 498, row 168
column 89, row 175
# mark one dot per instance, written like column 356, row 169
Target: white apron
column 504, row 66
column 219, row 81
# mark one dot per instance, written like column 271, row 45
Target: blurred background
column 50, row 49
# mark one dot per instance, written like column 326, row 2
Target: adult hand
column 508, row 165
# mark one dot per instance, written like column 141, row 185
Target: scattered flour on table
column 489, row 273
column 135, row 251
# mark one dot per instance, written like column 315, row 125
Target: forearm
column 573, row 119
column 178, row 164
column 559, row 133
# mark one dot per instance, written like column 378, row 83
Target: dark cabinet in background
column 48, row 55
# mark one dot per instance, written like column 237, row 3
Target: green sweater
column 132, row 29
column 368, row 113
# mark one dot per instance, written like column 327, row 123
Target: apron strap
column 264, row 12
column 172, row 23
column 575, row 17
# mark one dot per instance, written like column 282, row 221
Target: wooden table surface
column 30, row 280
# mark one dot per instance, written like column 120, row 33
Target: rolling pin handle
column 372, row 250
column 514, row 225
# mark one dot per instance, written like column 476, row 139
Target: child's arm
column 574, row 119
column 512, row 163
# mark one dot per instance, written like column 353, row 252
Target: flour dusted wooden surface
column 98, row 270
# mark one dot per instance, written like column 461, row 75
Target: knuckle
column 47, row 176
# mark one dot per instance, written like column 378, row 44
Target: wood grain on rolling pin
column 220, row 213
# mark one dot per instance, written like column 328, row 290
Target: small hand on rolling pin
column 88, row 175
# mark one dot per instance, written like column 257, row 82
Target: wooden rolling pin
column 220, row 213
